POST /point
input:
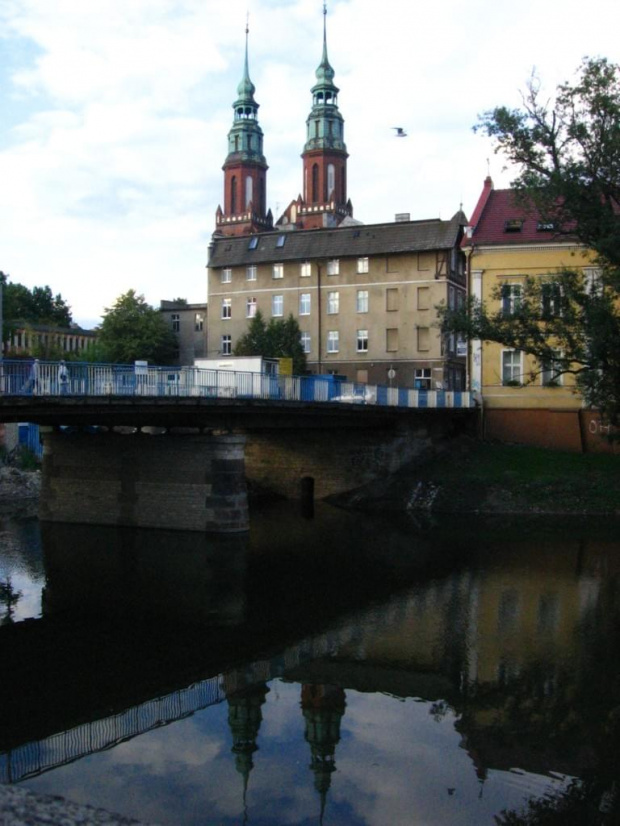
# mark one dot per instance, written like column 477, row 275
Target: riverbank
column 488, row 478
column 19, row 490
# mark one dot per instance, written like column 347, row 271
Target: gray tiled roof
column 362, row 240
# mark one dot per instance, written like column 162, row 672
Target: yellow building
column 523, row 401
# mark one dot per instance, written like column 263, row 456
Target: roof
column 340, row 242
column 503, row 220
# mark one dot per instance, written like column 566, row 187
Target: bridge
column 219, row 427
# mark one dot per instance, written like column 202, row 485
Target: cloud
column 118, row 113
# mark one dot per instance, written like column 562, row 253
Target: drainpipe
column 320, row 331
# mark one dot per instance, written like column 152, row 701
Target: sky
column 115, row 113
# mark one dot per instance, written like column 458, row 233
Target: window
column 250, row 307
column 332, row 341
column 175, row 318
column 511, row 367
column 422, row 378
column 362, row 341
column 226, row 275
column 278, row 271
column 513, row 225
column 253, row 242
column 361, row 302
column 551, row 370
column 305, row 269
column 333, row 266
column 281, row 241
column 546, row 226
column 277, row 305
column 391, row 339
column 333, row 303
column 511, row 298
column 391, row 299
column 551, row 300
column 226, row 345
column 451, row 297
column 304, row 304
column 362, row 264
column 305, row 342
column 248, row 191
column 250, row 273
column 331, row 173
column 424, row 338
column 199, row 322
column 227, row 308
column 424, row 298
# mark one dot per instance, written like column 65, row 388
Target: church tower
column 245, row 168
column 324, row 201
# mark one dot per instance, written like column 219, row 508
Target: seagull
column 400, row 132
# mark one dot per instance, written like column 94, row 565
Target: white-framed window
column 551, row 370
column 422, row 378
column 278, row 271
column 551, row 300
column 226, row 275
column 277, row 305
column 250, row 307
column 250, row 273
column 361, row 301
column 362, row 341
column 333, row 341
column 305, row 269
column 227, row 308
column 306, row 342
column 362, row 264
column 333, row 266
column 226, row 345
column 333, row 303
column 199, row 322
column 175, row 318
column 511, row 298
column 512, row 370
column 304, row 304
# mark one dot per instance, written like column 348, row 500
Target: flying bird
column 400, row 132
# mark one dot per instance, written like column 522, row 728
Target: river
column 327, row 667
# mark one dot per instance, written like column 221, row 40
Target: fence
column 19, row 378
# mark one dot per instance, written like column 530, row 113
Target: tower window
column 315, row 183
column 331, row 179
column 248, row 191
column 233, row 195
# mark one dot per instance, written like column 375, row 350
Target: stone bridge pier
column 187, row 481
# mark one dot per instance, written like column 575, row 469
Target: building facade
column 46, row 341
column 189, row 324
column 365, row 297
column 523, row 401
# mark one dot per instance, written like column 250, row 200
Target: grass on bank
column 533, row 476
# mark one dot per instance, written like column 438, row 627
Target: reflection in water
column 473, row 670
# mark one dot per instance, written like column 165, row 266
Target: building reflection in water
column 515, row 646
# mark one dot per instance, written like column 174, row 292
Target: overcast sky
column 115, row 115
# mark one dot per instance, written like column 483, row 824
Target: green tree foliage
column 38, row 306
column 567, row 155
column 278, row 339
column 133, row 330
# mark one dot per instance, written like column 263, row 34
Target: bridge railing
column 46, row 378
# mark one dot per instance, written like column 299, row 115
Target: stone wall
column 181, row 482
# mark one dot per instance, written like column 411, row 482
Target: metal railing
column 46, row 378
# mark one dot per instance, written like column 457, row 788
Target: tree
column 38, row 306
column 133, row 330
column 567, row 155
column 278, row 339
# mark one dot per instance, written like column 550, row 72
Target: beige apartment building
column 365, row 297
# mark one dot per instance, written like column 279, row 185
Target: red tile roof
column 500, row 212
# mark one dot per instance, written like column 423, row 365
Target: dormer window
column 513, row 225
column 281, row 240
column 253, row 243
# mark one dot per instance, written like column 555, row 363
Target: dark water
column 342, row 669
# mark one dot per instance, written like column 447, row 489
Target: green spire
column 245, row 139
column 325, row 125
